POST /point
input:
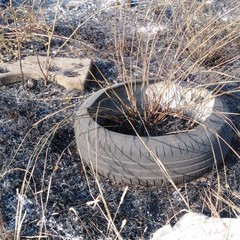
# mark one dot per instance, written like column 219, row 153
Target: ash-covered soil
column 46, row 190
column 133, row 126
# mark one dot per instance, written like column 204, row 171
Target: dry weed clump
column 179, row 37
column 208, row 38
column 21, row 30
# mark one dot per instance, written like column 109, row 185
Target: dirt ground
column 43, row 175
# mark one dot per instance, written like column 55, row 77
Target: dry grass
column 173, row 40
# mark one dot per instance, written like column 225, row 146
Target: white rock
column 195, row 102
column 195, row 226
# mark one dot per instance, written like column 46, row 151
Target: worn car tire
column 131, row 160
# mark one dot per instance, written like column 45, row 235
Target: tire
column 132, row 160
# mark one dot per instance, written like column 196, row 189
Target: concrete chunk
column 68, row 72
